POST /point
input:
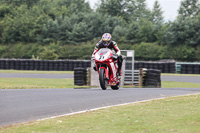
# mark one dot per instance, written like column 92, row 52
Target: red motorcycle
column 106, row 65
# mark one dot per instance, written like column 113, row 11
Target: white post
column 94, row 76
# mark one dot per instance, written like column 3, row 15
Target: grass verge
column 36, row 72
column 34, row 83
column 175, row 114
column 172, row 84
column 29, row 83
column 176, row 74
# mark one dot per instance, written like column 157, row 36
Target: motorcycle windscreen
column 103, row 51
column 103, row 54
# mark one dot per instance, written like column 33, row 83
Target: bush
column 197, row 53
column 19, row 50
column 148, row 51
column 81, row 51
column 48, row 54
column 180, row 52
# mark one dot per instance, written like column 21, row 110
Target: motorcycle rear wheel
column 102, row 79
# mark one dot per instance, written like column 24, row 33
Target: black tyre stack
column 152, row 78
column 164, row 67
column 190, row 68
column 196, row 69
column 80, row 76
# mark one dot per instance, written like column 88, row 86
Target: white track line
column 95, row 109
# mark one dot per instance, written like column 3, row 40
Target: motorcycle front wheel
column 102, row 79
column 116, row 87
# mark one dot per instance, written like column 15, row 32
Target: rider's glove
column 118, row 53
column 92, row 58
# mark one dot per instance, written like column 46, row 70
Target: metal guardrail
column 131, row 77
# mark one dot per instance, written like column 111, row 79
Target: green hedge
column 143, row 51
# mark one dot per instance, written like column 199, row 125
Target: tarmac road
column 23, row 105
column 193, row 79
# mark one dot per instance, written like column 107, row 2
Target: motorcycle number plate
column 101, row 57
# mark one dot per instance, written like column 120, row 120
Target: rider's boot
column 119, row 73
column 94, row 67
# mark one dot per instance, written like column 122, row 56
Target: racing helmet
column 106, row 38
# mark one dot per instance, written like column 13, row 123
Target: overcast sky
column 169, row 7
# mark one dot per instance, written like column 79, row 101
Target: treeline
column 69, row 29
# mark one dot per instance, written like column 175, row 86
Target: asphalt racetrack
column 24, row 105
column 192, row 79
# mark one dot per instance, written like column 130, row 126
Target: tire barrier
column 190, row 68
column 164, row 67
column 150, row 78
column 80, row 76
column 69, row 65
column 46, row 65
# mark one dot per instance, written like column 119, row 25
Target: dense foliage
column 69, row 29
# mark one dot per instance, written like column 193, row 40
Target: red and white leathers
column 113, row 46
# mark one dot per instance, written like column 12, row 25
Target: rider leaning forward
column 106, row 42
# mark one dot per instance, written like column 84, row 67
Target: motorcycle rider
column 106, row 42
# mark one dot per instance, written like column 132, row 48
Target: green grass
column 175, row 114
column 173, row 84
column 36, row 72
column 176, row 74
column 28, row 83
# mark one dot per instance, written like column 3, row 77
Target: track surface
column 24, row 105
column 28, row 105
column 193, row 79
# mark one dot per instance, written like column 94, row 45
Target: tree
column 4, row 10
column 120, row 33
column 139, row 11
column 141, row 31
column 22, row 26
column 117, row 8
column 189, row 8
column 75, row 6
column 184, row 32
column 17, row 3
column 112, row 7
column 157, row 20
column 157, row 14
